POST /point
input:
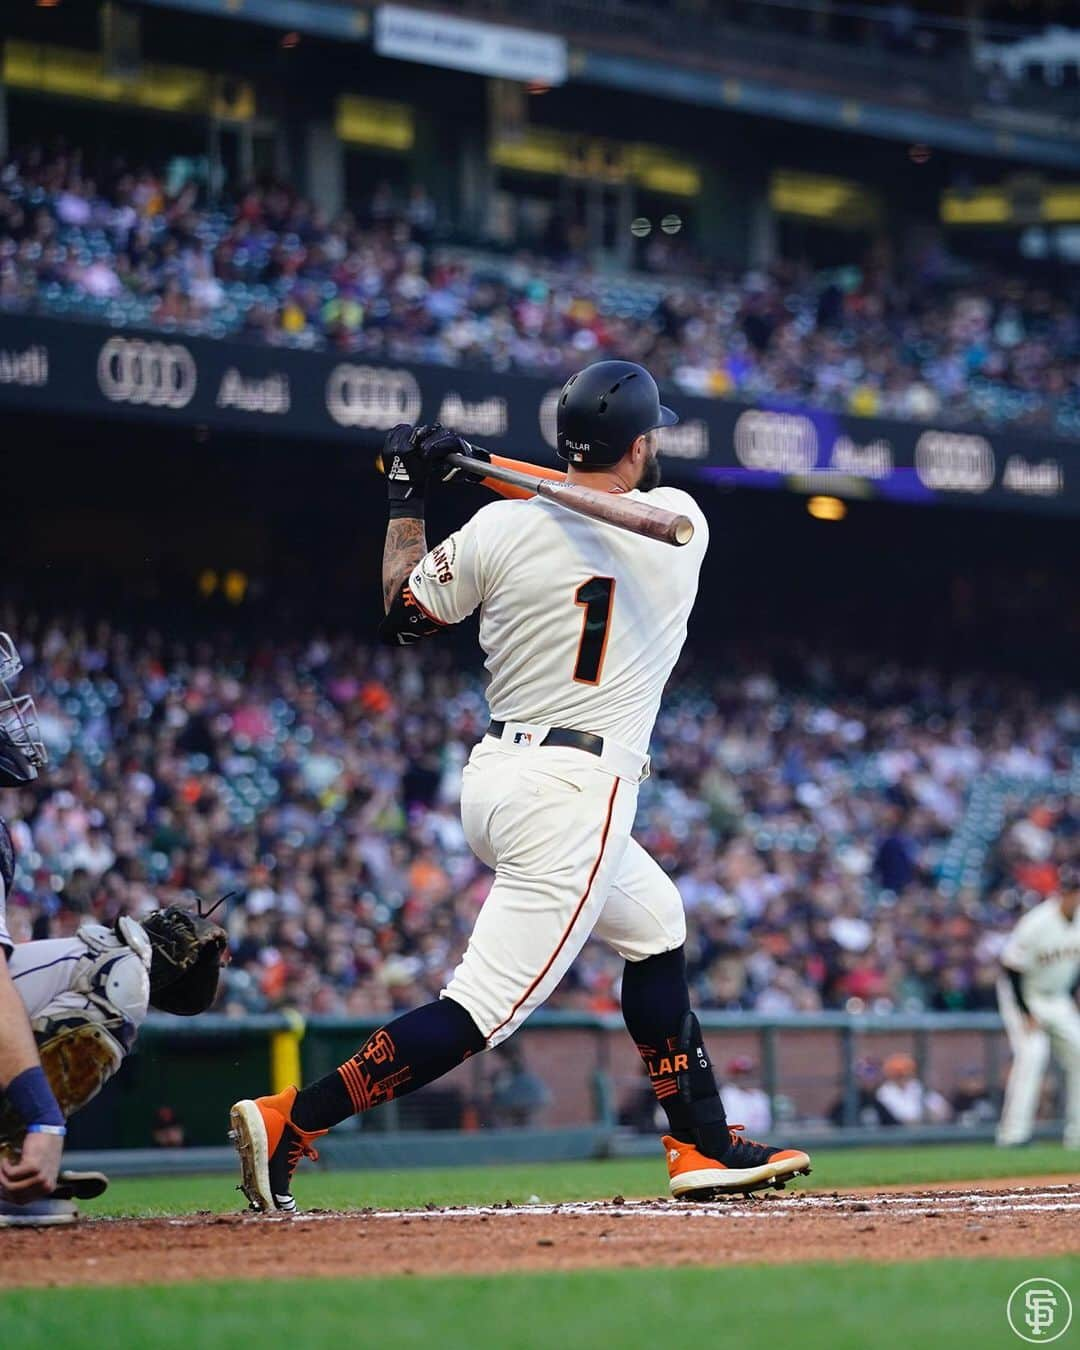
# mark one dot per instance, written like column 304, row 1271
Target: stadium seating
column 860, row 839
column 928, row 340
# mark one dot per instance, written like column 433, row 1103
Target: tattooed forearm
column 405, row 546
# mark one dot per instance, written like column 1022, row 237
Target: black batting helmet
column 604, row 408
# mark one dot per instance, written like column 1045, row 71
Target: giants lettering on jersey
column 1047, row 958
column 438, row 564
column 1045, row 947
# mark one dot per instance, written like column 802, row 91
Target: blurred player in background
column 1037, row 997
column 581, row 624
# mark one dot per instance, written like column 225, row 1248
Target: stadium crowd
column 810, row 823
column 921, row 337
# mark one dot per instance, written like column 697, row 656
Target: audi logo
column 549, row 416
column 364, row 396
column 146, row 374
column 954, row 461
column 776, row 442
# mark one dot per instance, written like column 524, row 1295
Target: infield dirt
column 1001, row 1219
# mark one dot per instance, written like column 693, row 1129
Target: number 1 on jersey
column 595, row 596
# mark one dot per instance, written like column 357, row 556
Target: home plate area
column 1004, row 1219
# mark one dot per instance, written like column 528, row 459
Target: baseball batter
column 1036, row 995
column 581, row 623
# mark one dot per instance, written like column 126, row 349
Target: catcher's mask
column 188, row 953
column 22, row 751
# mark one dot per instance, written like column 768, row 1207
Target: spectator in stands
column 640, row 1111
column 746, row 1104
column 168, row 1128
column 318, row 781
column 973, row 1103
column 927, row 339
column 905, row 1098
column 518, row 1095
column 869, row 1110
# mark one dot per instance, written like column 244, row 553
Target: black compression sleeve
column 406, row 621
column 1016, row 980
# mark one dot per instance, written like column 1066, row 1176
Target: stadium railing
column 875, row 59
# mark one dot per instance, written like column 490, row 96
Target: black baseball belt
column 574, row 740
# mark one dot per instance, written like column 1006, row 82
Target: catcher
column 70, row 1008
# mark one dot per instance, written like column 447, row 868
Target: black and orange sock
column 406, row 1054
column 655, row 999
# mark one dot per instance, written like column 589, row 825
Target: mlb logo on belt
column 523, row 738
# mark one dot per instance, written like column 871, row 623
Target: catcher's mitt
column 79, row 1057
column 188, row 953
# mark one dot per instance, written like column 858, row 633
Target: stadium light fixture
column 826, row 508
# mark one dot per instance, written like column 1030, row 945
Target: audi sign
column 326, row 397
column 372, row 397
column 548, row 415
column 954, row 461
column 776, row 442
column 146, row 374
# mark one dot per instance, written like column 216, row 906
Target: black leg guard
column 698, row 1091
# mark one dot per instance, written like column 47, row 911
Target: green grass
column 553, row 1182
column 929, row 1305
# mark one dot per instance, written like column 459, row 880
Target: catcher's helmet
column 604, row 408
column 22, row 751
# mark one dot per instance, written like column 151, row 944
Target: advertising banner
column 322, row 397
column 464, row 44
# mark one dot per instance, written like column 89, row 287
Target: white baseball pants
column 1058, row 1028
column 555, row 825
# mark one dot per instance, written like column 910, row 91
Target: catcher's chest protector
column 86, row 998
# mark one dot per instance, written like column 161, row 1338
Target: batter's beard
column 650, row 474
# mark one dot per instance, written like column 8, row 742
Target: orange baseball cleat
column 270, row 1146
column 746, row 1166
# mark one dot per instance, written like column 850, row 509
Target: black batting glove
column 406, row 470
column 436, row 443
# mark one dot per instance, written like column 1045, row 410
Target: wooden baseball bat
column 627, row 513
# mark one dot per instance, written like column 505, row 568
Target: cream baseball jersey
column 580, row 622
column 1045, row 948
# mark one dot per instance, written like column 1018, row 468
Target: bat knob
column 684, row 530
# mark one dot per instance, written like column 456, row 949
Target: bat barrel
column 627, row 513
